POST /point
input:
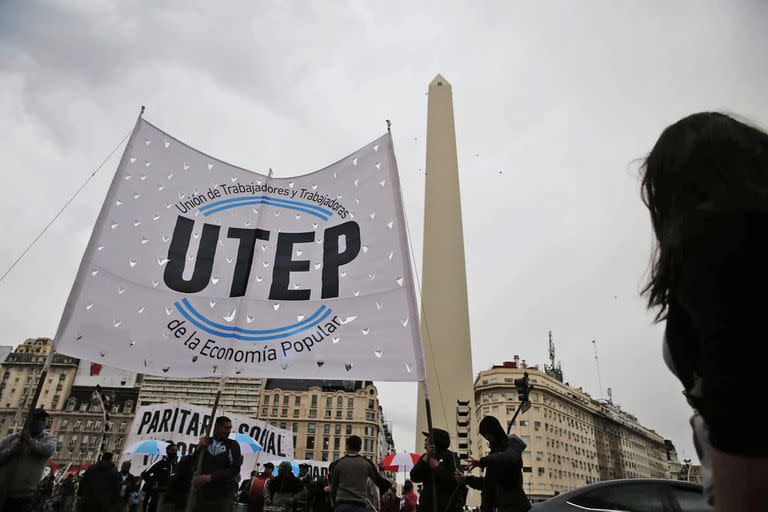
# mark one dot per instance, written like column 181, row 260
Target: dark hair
column 221, row 420
column 269, row 465
column 407, row 486
column 354, row 443
column 254, row 473
column 704, row 162
column 107, row 456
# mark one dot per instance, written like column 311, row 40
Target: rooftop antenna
column 551, row 350
column 610, row 395
column 597, row 364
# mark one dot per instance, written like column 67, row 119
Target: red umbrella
column 402, row 461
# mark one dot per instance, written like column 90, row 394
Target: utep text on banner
column 184, row 423
column 196, row 267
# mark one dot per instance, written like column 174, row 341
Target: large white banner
column 184, row 423
column 196, row 267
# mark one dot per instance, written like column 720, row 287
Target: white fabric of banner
column 196, row 268
column 183, row 423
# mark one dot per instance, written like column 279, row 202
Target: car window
column 690, row 500
column 628, row 497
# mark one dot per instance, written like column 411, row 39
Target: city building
column 4, row 351
column 445, row 334
column 240, row 395
column 386, row 441
column 572, row 439
column 323, row 413
column 19, row 378
column 673, row 461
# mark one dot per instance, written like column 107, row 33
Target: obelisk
column 444, row 312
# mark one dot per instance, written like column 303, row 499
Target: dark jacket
column 224, row 469
column 131, row 486
column 180, row 482
column 502, row 485
column 158, row 476
column 99, row 487
column 445, row 482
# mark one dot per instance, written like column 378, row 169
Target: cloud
column 560, row 97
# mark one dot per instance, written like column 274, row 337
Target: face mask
column 36, row 427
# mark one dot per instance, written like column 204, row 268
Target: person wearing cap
column 23, row 457
column 502, row 486
column 284, row 490
column 256, row 496
column 157, row 478
column 438, row 467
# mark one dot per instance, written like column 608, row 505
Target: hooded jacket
column 502, row 485
column 21, row 467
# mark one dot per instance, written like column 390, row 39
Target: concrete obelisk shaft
column 445, row 316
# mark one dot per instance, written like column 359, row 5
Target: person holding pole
column 502, row 485
column 216, row 484
column 437, row 467
column 23, row 457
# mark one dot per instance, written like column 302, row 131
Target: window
column 83, row 407
column 123, row 424
column 266, row 399
column 524, row 423
column 370, row 404
column 339, row 401
column 329, row 401
column 337, row 429
column 338, row 414
column 128, row 409
column 539, row 455
column 368, row 430
column 274, row 411
column 368, row 445
column 310, row 455
column 88, row 425
column 264, row 411
column 326, row 443
column 541, row 471
column 297, row 401
column 276, row 400
column 64, row 424
column 313, row 413
column 510, row 410
column 310, row 443
column 509, row 395
column 326, row 429
column 285, row 400
column 349, row 429
column 295, row 427
column 311, row 428
column 284, row 413
column 634, row 497
column 537, row 425
column 295, row 413
column 349, row 414
column 336, row 442
column 325, row 456
column 327, row 413
column 314, row 401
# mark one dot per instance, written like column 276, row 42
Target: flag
column 196, row 268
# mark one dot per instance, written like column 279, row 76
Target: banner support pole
column 429, row 429
column 199, row 463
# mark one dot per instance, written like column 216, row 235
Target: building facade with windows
column 572, row 439
column 323, row 413
column 19, row 378
column 83, row 428
column 240, row 395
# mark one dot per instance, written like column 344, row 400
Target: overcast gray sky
column 562, row 97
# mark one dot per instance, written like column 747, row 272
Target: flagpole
column 199, row 464
column 432, row 440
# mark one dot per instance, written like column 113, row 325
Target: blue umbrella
column 294, row 467
column 247, row 442
column 147, row 447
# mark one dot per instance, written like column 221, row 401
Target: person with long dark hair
column 705, row 184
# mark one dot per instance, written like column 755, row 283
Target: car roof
column 562, row 498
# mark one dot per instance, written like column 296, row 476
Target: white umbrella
column 146, row 447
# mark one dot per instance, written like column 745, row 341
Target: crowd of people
column 209, row 478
